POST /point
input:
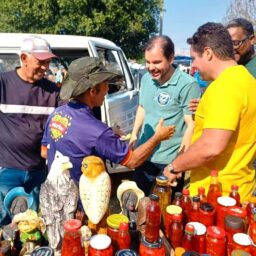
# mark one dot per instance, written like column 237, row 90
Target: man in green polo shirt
column 243, row 38
column 165, row 93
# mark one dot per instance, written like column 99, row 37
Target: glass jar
column 242, row 241
column 224, row 202
column 71, row 245
column 126, row 252
column 100, row 245
column 207, row 214
column 44, row 250
column 151, row 249
column 176, row 231
column 114, row 221
column 170, row 211
column 233, row 225
column 240, row 253
column 153, row 219
column 163, row 191
column 200, row 233
column 241, row 213
column 215, row 241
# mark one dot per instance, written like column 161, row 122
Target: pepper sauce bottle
column 153, row 219
column 234, row 194
column 188, row 241
column 214, row 189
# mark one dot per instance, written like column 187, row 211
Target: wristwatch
column 171, row 169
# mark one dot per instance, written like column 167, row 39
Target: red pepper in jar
column 176, row 231
column 215, row 241
column 124, row 239
column 71, row 245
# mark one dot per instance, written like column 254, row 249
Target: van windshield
column 8, row 62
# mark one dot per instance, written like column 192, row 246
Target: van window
column 9, row 62
column 111, row 59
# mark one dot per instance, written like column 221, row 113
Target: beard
column 246, row 57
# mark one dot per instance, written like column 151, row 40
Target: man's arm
column 140, row 154
column 186, row 140
column 205, row 150
column 137, row 125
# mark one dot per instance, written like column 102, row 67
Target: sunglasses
column 238, row 43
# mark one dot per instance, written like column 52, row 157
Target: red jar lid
column 214, row 173
column 190, row 229
column 201, row 190
column 234, row 187
column 185, row 191
column 237, row 211
column 216, row 232
column 72, row 225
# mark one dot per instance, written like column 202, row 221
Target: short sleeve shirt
column 75, row 132
column 229, row 104
column 170, row 102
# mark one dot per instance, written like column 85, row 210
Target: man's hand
column 132, row 142
column 171, row 176
column 164, row 132
column 193, row 104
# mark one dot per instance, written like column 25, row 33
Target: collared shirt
column 170, row 102
column 251, row 66
column 74, row 131
column 24, row 109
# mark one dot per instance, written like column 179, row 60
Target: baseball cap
column 38, row 47
column 85, row 73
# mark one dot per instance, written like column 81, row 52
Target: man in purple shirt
column 73, row 130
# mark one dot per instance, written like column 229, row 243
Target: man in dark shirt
column 26, row 100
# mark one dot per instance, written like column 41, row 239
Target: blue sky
column 182, row 18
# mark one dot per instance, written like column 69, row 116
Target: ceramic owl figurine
column 94, row 188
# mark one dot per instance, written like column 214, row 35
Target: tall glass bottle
column 186, row 203
column 188, row 241
column 215, row 190
column 176, row 231
column 194, row 214
column 235, row 194
column 177, row 199
column 201, row 194
column 153, row 219
column 164, row 192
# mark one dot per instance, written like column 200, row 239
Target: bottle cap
column 178, row 195
column 162, row 180
column 214, row 173
column 154, row 197
column 100, row 241
column 124, row 226
column 173, row 209
column 72, row 225
column 201, row 190
column 114, row 220
column 226, row 201
column 185, row 191
column 234, row 222
column 196, row 199
column 234, row 187
column 216, row 232
column 190, row 229
column 126, row 252
column 157, row 244
column 207, row 207
column 242, row 239
column 200, row 229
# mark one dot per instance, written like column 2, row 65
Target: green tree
column 128, row 23
column 242, row 9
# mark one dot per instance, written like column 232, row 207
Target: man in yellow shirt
column 225, row 136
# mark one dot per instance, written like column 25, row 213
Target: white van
column 120, row 104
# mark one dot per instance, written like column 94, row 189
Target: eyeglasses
column 238, row 43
